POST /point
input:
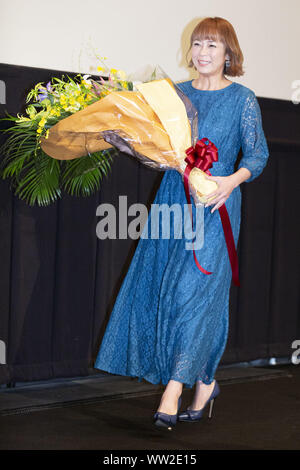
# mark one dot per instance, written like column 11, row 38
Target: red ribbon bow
column 202, row 156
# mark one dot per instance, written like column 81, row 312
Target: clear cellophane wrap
column 155, row 123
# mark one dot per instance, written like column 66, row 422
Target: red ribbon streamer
column 202, row 156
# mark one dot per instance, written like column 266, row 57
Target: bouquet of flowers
column 36, row 177
column 153, row 121
column 150, row 119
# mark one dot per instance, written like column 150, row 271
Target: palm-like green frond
column 17, row 150
column 40, row 180
column 81, row 176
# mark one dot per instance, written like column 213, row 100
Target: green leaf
column 39, row 182
column 81, row 176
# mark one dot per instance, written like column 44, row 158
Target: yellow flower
column 113, row 71
column 100, row 69
column 47, row 134
column 42, row 122
column 39, row 130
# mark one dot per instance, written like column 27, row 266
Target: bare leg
column 201, row 395
column 169, row 399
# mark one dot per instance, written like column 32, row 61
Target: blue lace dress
column 170, row 320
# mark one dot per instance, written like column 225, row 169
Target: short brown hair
column 220, row 29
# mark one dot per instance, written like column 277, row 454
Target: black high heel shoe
column 166, row 421
column 192, row 416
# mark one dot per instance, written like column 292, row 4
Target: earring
column 227, row 62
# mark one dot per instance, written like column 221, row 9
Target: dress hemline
column 160, row 382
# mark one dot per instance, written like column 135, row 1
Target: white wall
column 62, row 34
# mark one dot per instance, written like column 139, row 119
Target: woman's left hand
column 226, row 184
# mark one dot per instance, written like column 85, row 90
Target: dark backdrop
column 58, row 281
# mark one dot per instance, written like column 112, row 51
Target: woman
column 170, row 321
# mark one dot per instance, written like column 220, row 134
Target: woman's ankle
column 199, row 383
column 173, row 389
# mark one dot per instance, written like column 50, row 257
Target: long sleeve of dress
column 253, row 141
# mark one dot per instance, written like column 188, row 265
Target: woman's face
column 208, row 56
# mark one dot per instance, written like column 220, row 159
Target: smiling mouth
column 203, row 62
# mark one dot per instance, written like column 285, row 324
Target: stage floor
column 105, row 387
column 258, row 408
